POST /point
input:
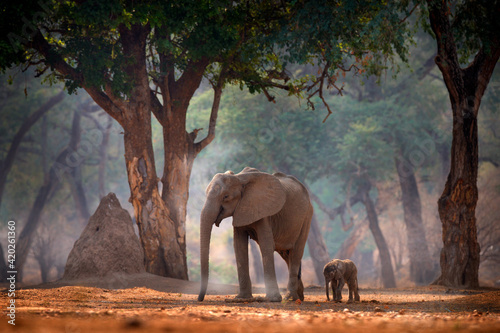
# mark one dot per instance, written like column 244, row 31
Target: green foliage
column 475, row 24
column 335, row 31
column 360, row 139
column 87, row 34
column 252, row 39
column 17, row 25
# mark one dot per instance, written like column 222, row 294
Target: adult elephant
column 274, row 210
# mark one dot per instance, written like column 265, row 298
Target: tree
column 413, row 145
column 114, row 51
column 466, row 32
column 10, row 156
column 50, row 185
column 43, row 250
column 138, row 58
column 8, row 161
column 361, row 160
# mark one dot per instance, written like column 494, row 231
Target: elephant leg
column 355, row 288
column 334, row 290
column 285, row 254
column 351, row 291
column 266, row 244
column 300, row 288
column 241, row 253
column 339, row 289
column 335, row 283
column 295, row 286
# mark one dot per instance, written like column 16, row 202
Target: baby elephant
column 337, row 272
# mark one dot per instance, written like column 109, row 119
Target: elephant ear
column 262, row 195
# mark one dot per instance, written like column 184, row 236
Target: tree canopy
column 138, row 59
column 260, row 38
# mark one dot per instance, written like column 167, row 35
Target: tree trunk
column 421, row 271
column 6, row 164
column 388, row 278
column 162, row 254
column 457, row 205
column 44, row 272
column 176, row 174
column 43, row 251
column 75, row 173
column 460, row 255
column 317, row 249
column 44, row 261
column 24, row 242
column 180, row 148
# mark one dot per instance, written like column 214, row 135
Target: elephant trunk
column 326, row 289
column 208, row 218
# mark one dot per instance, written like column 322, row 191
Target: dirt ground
column 144, row 302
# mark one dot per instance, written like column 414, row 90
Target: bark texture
column 162, row 253
column 457, row 204
column 421, row 268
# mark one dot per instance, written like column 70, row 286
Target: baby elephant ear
column 262, row 196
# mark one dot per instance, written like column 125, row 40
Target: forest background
column 400, row 121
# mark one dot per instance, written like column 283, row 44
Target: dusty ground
column 153, row 304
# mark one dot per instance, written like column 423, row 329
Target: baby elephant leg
column 338, row 290
column 356, row 294
column 353, row 290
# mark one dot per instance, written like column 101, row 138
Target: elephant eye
column 225, row 197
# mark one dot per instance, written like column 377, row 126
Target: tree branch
column 215, row 110
column 446, row 58
column 157, row 107
column 333, row 213
column 52, row 58
column 409, row 14
column 481, row 69
column 420, row 73
column 6, row 165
